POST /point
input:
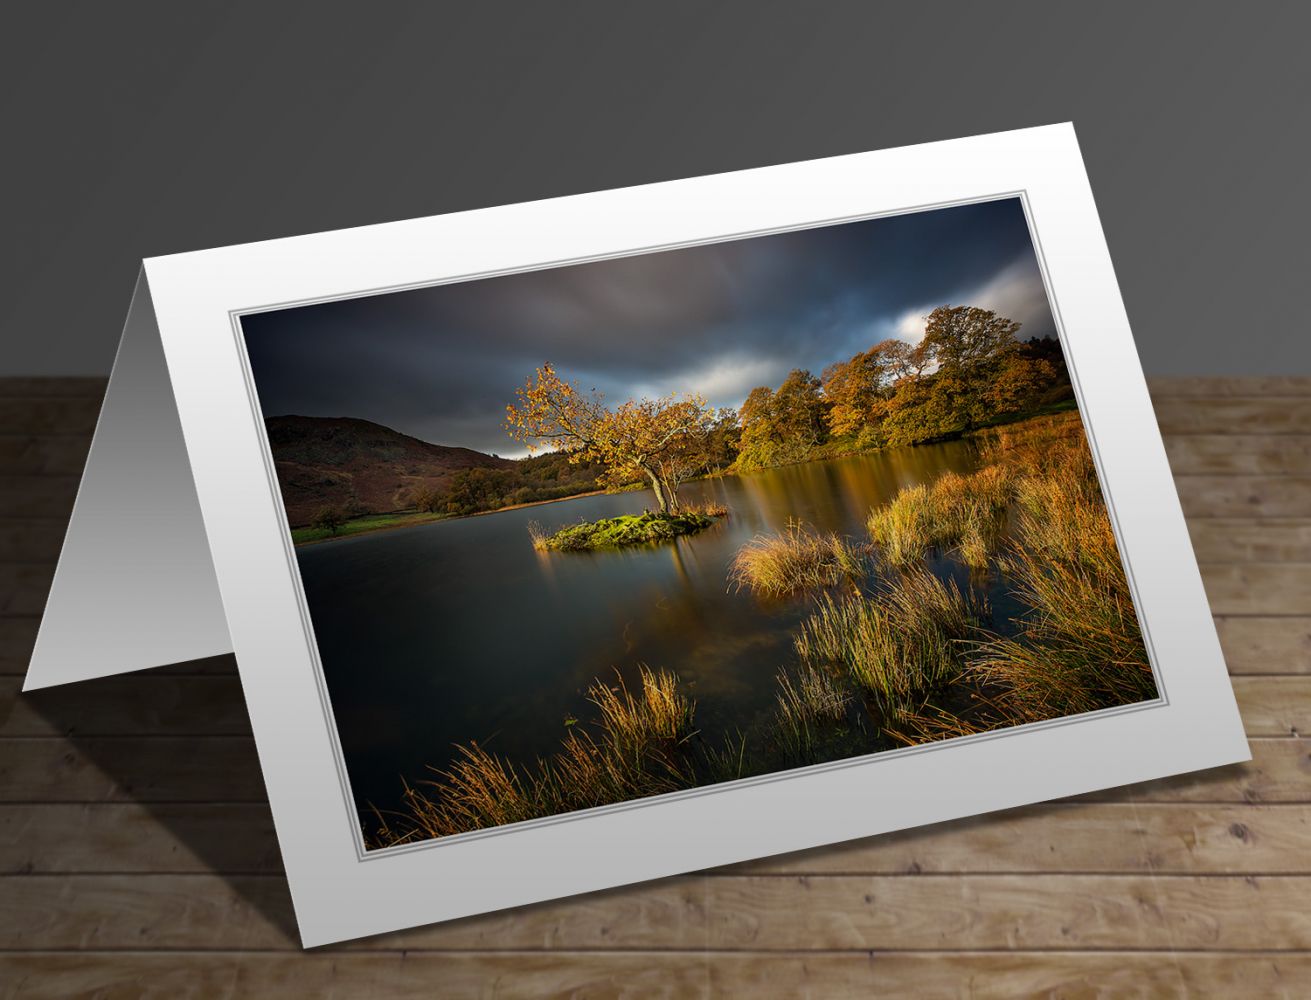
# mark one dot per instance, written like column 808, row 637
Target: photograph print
column 604, row 532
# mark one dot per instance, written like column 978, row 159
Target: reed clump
column 795, row 560
column 637, row 752
column 636, row 721
column 967, row 512
column 539, row 536
column 806, row 702
column 707, row 508
column 1081, row 648
column 898, row 645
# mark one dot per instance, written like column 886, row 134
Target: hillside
column 359, row 466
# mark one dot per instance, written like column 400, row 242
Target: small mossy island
column 627, row 529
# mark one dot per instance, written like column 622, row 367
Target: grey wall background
column 137, row 129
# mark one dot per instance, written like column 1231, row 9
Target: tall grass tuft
column 637, row 752
column 708, row 508
column 804, row 704
column 795, row 560
column 898, row 645
column 539, row 535
column 659, row 711
column 1081, row 648
column 962, row 511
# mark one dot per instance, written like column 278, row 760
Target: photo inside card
column 601, row 532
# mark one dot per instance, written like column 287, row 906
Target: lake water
column 459, row 630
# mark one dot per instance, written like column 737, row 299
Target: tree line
column 970, row 369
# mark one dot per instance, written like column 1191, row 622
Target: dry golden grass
column 962, row 511
column 636, row 754
column 1077, row 648
column 657, row 712
column 899, row 645
column 1034, row 447
column 539, row 536
column 805, row 703
column 796, row 560
column 1082, row 648
column 708, row 508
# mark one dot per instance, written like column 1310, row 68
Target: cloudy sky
column 442, row 363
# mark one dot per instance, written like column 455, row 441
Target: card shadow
column 177, row 742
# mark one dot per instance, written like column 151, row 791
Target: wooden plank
column 183, row 975
column 254, row 912
column 1258, row 588
column 1110, row 838
column 1248, row 540
column 1279, row 771
column 1239, row 454
column 962, row 913
column 671, row 974
column 765, row 913
column 24, row 587
column 1233, row 415
column 49, row 415
column 129, row 837
column 126, row 705
column 1262, row 645
column 1244, row 496
column 1274, row 706
column 144, row 769
column 979, row 976
column 31, row 540
column 1077, row 837
column 17, row 637
column 28, row 386
column 38, row 496
column 30, row 455
column 1165, row 386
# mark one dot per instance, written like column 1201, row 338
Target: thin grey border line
column 307, row 624
column 362, row 855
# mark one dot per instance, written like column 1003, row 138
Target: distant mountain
column 346, row 462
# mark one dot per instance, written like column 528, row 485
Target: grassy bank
column 365, row 523
column 362, row 525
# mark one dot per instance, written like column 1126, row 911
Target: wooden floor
column 138, row 856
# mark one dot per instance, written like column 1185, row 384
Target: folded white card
column 888, row 534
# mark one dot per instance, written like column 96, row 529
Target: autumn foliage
column 663, row 441
column 967, row 371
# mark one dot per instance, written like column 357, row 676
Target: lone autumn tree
column 665, row 440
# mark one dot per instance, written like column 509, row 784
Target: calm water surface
column 456, row 631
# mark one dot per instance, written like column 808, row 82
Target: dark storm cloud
column 441, row 363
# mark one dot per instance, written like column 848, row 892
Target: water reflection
column 456, row 631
